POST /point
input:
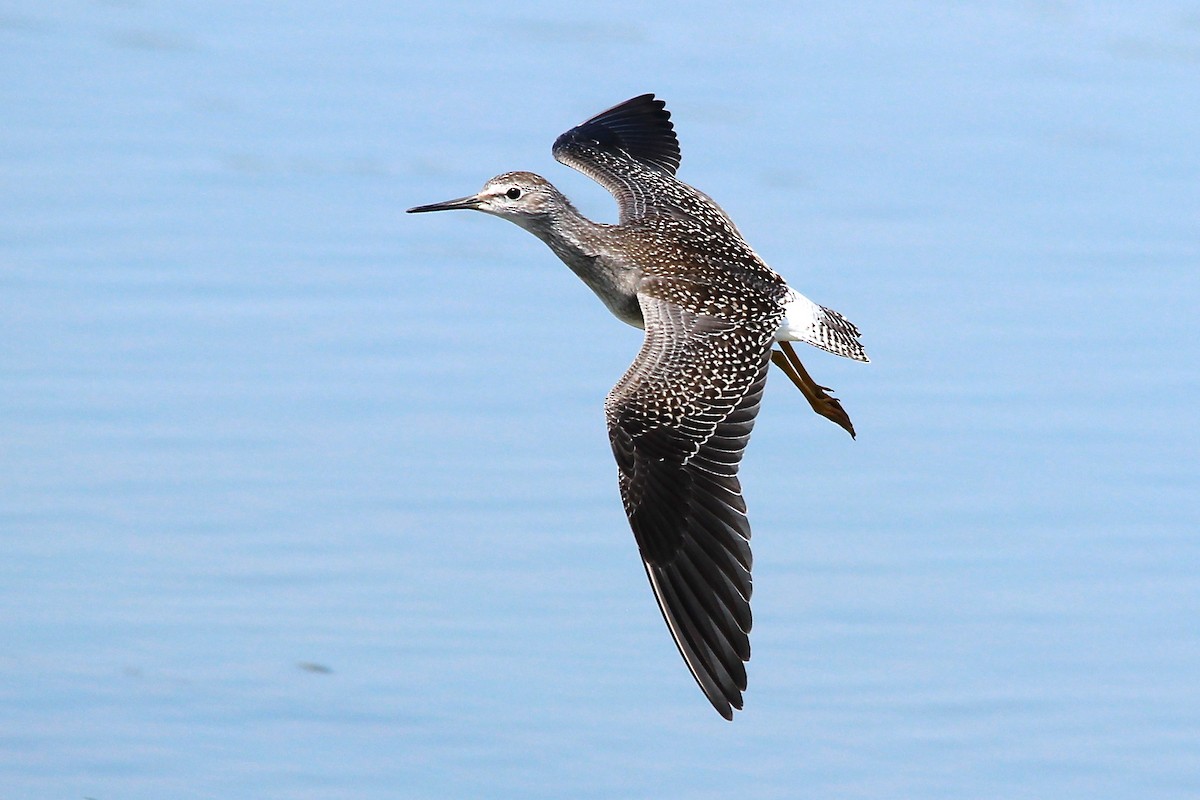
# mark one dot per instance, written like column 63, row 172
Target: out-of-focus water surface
column 301, row 497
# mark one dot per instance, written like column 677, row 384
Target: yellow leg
column 824, row 404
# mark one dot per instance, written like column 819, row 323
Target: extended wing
column 679, row 421
column 624, row 149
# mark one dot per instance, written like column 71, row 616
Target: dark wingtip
column 640, row 127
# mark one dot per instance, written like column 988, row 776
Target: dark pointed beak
column 449, row 205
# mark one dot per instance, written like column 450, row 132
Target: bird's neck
column 586, row 247
column 573, row 237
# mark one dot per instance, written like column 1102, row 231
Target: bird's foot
column 817, row 396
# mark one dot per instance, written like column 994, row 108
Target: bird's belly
column 624, row 307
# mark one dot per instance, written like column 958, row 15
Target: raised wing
column 678, row 422
column 624, row 149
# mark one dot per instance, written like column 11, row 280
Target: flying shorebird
column 679, row 419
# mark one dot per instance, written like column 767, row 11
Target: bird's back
column 685, row 240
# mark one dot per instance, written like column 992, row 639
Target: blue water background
column 304, row 498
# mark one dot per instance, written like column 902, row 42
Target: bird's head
column 522, row 197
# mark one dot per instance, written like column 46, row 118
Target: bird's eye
column 513, row 193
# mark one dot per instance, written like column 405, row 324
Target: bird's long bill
column 449, row 205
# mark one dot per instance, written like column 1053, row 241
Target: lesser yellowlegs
column 679, row 419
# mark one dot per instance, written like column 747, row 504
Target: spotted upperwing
column 678, row 422
column 623, row 149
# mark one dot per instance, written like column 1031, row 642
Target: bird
column 679, row 419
